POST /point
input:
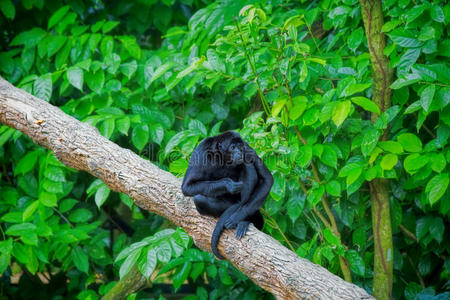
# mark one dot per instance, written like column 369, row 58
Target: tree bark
column 80, row 146
column 372, row 14
column 130, row 283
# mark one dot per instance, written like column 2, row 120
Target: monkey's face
column 234, row 154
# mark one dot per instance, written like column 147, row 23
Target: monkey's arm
column 249, row 179
column 194, row 184
column 257, row 197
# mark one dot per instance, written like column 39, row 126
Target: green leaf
column 181, row 275
column 29, row 38
column 436, row 13
column 414, row 162
column 156, row 133
column 366, row 104
column 57, row 16
column 101, row 195
column 405, row 80
column 295, row 206
column 410, row 142
column 353, row 175
column 54, row 44
column 80, row 215
column 129, row 262
column 437, row 229
column 62, row 55
column 408, row 59
column 304, row 155
column 414, row 13
column 107, row 127
column 390, row 25
column 423, row 226
column 329, row 156
column 391, row 146
column 194, row 65
column 130, row 250
column 438, row 163
column 80, row 259
column 140, row 136
column 8, row 9
column 42, row 87
column 161, row 70
column 354, row 88
column 404, row 38
column 278, row 106
column 198, row 126
column 4, row 260
column 7, row 64
column 109, row 25
column 174, row 141
column 426, row 97
column 436, row 187
column 355, row 39
column 21, row 229
column 215, row 61
column 94, row 39
column 369, row 141
column 123, row 125
column 340, row 112
column 27, row 56
column 359, row 236
column 67, row 204
column 129, row 68
column 6, row 246
column 48, row 199
column 95, row 80
column 389, row 161
column 356, row 262
column 303, row 73
column 178, row 166
column 148, row 265
column 300, row 103
column 333, row 188
column 330, row 237
column 112, row 62
column 75, row 77
column 30, row 210
column 26, row 163
column 427, row 33
column 130, row 44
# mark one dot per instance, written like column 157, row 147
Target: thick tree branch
column 80, row 146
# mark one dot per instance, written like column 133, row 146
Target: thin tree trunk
column 80, row 146
column 130, row 283
column 379, row 188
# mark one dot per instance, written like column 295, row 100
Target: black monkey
column 227, row 179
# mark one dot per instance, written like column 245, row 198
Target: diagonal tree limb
column 80, row 146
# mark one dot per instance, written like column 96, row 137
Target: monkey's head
column 231, row 145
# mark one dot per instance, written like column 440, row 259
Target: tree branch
column 80, row 146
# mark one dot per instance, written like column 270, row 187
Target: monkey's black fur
column 227, row 179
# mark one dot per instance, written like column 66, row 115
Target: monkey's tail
column 220, row 226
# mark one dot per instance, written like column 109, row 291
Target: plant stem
column 372, row 14
column 255, row 73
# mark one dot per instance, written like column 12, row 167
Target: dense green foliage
column 293, row 77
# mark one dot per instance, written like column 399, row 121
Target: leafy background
column 294, row 77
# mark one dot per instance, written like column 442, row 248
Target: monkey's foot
column 241, row 229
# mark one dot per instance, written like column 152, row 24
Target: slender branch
column 279, row 229
column 343, row 262
column 408, row 233
column 253, row 67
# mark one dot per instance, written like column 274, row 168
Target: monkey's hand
column 235, row 218
column 234, row 187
